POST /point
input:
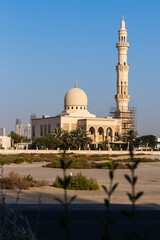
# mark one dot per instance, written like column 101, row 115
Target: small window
column 80, row 107
column 68, row 107
column 33, row 131
column 84, row 108
column 76, row 107
column 49, row 128
column 72, row 107
column 41, row 130
column 45, row 129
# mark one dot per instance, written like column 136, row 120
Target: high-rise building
column 3, row 132
column 27, row 131
column 33, row 116
column 19, row 129
column 18, row 121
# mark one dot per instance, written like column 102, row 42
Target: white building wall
column 5, row 142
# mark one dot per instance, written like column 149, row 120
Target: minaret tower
column 122, row 97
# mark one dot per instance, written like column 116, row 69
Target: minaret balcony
column 122, row 97
column 122, row 67
column 122, row 44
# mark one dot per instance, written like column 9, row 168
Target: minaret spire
column 122, row 97
column 123, row 24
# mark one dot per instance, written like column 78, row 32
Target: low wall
column 81, row 152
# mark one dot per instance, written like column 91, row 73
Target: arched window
column 92, row 130
column 72, row 107
column 92, row 133
column 76, row 107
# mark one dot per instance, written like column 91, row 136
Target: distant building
column 27, row 131
column 33, row 116
column 5, row 142
column 18, row 121
column 158, row 144
column 3, row 132
column 19, row 129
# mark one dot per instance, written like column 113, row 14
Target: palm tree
column 66, row 138
column 58, row 133
column 130, row 137
column 104, row 144
column 80, row 138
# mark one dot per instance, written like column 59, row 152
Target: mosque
column 76, row 114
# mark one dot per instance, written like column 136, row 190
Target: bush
column 18, row 160
column 78, row 182
column 14, row 181
column 76, row 164
column 115, row 148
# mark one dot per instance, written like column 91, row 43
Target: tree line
column 59, row 137
column 79, row 139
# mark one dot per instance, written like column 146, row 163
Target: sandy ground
column 148, row 181
column 155, row 156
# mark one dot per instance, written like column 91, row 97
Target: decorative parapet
column 122, row 44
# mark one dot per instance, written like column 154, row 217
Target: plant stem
column 133, row 206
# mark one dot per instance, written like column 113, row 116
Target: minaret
column 122, row 97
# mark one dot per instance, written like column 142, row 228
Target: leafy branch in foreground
column 133, row 196
column 65, row 221
column 13, row 225
column 109, row 191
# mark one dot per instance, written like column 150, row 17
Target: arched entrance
column 109, row 134
column 100, row 134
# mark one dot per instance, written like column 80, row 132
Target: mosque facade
column 76, row 114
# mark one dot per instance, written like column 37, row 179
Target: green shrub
column 78, row 182
column 115, row 148
column 18, row 160
column 76, row 164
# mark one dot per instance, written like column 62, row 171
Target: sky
column 46, row 44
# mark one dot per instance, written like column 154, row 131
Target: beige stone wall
column 70, row 121
column 44, row 125
column 85, row 152
column 65, row 126
column 102, row 128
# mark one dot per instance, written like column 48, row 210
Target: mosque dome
column 75, row 98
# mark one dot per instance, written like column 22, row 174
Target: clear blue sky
column 46, row 44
